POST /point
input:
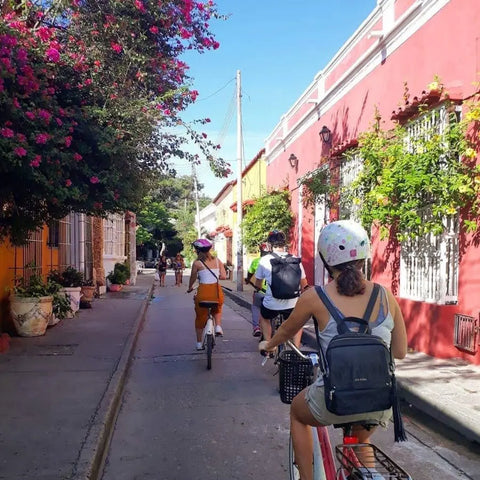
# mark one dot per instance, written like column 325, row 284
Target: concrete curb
column 237, row 299
column 435, row 410
column 91, row 457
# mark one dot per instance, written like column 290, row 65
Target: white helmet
column 343, row 241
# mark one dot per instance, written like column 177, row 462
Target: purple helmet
column 202, row 244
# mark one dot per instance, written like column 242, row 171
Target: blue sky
column 278, row 46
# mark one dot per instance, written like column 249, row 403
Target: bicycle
column 209, row 331
column 374, row 463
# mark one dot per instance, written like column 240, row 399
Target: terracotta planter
column 74, row 294
column 30, row 315
column 86, row 294
column 115, row 287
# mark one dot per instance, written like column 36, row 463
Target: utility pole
column 197, row 207
column 239, row 186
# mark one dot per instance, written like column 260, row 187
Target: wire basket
column 295, row 374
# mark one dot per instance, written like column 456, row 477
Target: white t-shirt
column 264, row 272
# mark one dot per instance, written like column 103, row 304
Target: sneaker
column 257, row 332
column 200, row 346
column 218, row 331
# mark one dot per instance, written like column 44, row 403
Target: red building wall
column 446, row 46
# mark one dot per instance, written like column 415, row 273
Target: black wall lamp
column 293, row 160
column 325, row 134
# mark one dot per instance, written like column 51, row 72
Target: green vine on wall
column 317, row 187
column 405, row 175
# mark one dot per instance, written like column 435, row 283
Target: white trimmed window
column 350, row 168
column 114, row 235
column 429, row 264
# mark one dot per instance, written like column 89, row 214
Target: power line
column 218, row 91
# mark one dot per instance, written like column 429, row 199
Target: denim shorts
column 315, row 398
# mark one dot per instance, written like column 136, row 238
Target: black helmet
column 276, row 238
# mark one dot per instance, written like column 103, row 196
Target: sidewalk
column 59, row 393
column 446, row 390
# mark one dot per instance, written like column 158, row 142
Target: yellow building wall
column 12, row 260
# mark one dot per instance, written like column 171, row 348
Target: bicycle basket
column 295, row 374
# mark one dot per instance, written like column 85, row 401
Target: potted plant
column 87, row 294
column 71, row 280
column 31, row 306
column 61, row 303
column 117, row 277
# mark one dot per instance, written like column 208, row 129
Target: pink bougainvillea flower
column 116, row 47
column 68, row 182
column 30, row 115
column 59, row 122
column 68, row 141
column 42, row 138
column 204, row 135
column 7, row 132
column 167, row 111
column 36, row 161
column 207, row 120
column 21, row 137
column 140, row 6
column 94, row 180
column 45, row 115
column 185, row 34
column 15, row 102
column 20, row 151
column 77, row 157
column 98, row 205
column 53, row 55
column 153, row 29
column 44, row 33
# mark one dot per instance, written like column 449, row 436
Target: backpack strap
column 363, row 322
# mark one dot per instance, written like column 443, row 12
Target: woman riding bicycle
column 208, row 270
column 343, row 247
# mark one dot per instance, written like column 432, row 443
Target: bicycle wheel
column 318, row 460
column 210, row 342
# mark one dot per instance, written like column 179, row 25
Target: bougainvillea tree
column 91, row 94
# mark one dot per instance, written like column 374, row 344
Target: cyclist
column 343, row 247
column 257, row 295
column 272, row 306
column 208, row 270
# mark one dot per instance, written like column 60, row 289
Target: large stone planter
column 30, row 315
column 74, row 294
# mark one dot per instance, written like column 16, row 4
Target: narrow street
column 179, row 421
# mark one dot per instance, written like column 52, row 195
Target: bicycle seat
column 367, row 424
column 206, row 304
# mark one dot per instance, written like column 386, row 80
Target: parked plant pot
column 74, row 294
column 115, row 287
column 31, row 315
column 87, row 294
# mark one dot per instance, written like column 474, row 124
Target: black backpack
column 358, row 367
column 286, row 276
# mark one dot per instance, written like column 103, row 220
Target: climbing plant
column 405, row 174
column 317, row 187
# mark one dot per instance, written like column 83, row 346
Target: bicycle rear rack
column 347, row 456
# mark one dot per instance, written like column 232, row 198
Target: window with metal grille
column 465, row 333
column 53, row 233
column 429, row 263
column 114, row 235
column 350, row 168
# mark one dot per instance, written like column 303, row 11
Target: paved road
column 179, row 421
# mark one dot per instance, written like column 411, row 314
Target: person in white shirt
column 272, row 306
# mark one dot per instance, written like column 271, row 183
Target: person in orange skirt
column 208, row 270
